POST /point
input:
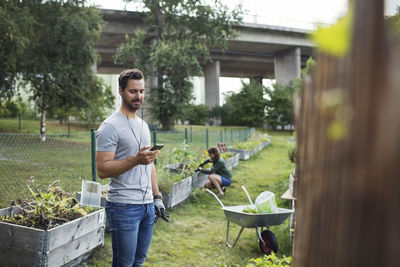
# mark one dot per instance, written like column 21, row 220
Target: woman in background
column 219, row 176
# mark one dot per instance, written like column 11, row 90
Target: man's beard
column 130, row 106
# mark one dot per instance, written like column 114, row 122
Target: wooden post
column 348, row 136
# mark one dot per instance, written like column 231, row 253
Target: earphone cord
column 140, row 167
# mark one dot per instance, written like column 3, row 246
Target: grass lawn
column 195, row 235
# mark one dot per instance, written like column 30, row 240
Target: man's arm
column 154, row 184
column 107, row 166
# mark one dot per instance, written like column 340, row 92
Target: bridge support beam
column 287, row 65
column 211, row 77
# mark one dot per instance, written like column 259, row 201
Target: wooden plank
column 201, row 179
column 236, row 159
column 76, row 248
column 17, row 236
column 181, row 191
column 11, row 256
column 9, row 211
column 229, row 163
column 75, row 229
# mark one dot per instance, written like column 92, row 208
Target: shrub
column 271, row 261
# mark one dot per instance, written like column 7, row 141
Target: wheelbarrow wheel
column 271, row 243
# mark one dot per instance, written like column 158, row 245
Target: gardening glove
column 160, row 210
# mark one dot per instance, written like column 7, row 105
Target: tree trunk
column 166, row 123
column 43, row 122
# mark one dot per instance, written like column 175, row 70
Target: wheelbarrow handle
column 247, row 194
column 210, row 192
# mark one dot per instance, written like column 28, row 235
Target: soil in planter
column 46, row 210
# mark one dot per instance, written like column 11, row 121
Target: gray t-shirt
column 125, row 136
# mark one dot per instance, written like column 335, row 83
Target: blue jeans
column 225, row 181
column 131, row 228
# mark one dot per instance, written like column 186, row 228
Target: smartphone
column 157, row 147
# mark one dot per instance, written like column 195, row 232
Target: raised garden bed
column 180, row 191
column 245, row 154
column 66, row 244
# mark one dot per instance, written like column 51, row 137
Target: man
column 122, row 154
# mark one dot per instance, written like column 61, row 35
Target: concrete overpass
column 260, row 51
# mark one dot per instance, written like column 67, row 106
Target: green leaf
column 336, row 39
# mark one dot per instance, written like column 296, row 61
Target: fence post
column 231, row 138
column 186, row 136
column 220, row 136
column 191, row 134
column 155, row 141
column 226, row 141
column 69, row 127
column 207, row 138
column 240, row 139
column 93, row 141
column 19, row 121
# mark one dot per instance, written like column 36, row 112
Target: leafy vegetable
column 250, row 210
column 46, row 210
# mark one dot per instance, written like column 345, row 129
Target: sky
column 288, row 13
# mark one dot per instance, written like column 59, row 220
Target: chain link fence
column 68, row 157
column 60, row 157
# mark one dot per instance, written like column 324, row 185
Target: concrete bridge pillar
column 287, row 65
column 211, row 77
column 149, row 83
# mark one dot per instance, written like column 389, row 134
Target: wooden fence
column 348, row 136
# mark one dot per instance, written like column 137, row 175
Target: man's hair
column 129, row 74
column 214, row 151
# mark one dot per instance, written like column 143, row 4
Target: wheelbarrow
column 266, row 239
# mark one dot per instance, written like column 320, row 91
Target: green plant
column 250, row 210
column 188, row 159
column 248, row 145
column 45, row 210
column 226, row 155
column 271, row 261
column 292, row 152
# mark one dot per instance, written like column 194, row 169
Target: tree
column 14, row 39
column 279, row 105
column 174, row 47
column 394, row 23
column 195, row 114
column 61, row 54
column 245, row 108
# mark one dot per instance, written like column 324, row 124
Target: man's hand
column 160, row 210
column 145, row 157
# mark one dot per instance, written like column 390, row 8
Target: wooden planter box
column 174, row 168
column 236, row 160
column 243, row 154
column 64, row 245
column 246, row 154
column 229, row 163
column 199, row 179
column 180, row 191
